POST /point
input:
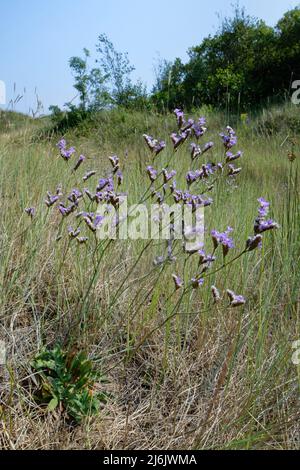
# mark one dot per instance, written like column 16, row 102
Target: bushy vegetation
column 244, row 66
column 240, row 67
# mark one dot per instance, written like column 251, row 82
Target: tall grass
column 182, row 373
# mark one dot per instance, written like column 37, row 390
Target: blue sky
column 39, row 36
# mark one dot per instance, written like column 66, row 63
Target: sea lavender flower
column 261, row 226
column 168, row 176
column 173, row 186
column 254, row 242
column 221, row 238
column 198, row 130
column 229, row 139
column 207, row 146
column 216, row 294
column 152, row 173
column 154, row 145
column 232, row 171
column 61, row 144
column 114, row 160
column 106, row 183
column 204, row 258
column 51, row 199
column 119, row 177
column 195, row 150
column 88, row 175
column 264, row 207
column 188, row 125
column 64, row 152
column 230, row 157
column 179, row 117
column 235, row 300
column 79, row 161
column 82, row 240
column 75, row 195
column 30, row 211
column 192, row 176
column 65, row 211
column 197, row 282
column 73, row 233
column 89, row 223
column 179, row 139
column 177, row 281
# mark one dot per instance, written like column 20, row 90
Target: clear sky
column 37, row 37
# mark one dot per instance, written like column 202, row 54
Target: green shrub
column 67, row 381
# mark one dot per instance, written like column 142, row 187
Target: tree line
column 244, row 64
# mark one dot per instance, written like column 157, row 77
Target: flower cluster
column 154, row 145
column 65, row 152
column 262, row 224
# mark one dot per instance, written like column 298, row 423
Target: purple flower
column 207, row 146
column 79, row 161
column 179, row 117
column 154, row 145
column 82, row 240
column 88, row 175
column 230, row 157
column 30, row 211
column 51, row 199
column 106, row 183
column 168, row 176
column 195, row 150
column 198, row 130
column 93, row 221
column 114, row 160
column 197, row 282
column 75, row 195
column 204, row 258
column 64, row 152
column 221, row 238
column 254, row 242
column 188, row 125
column 192, row 176
column 177, row 281
column 232, row 171
column 178, row 139
column 65, row 211
column 173, row 186
column 152, row 173
column 119, row 177
column 216, row 294
column 235, row 300
column 73, row 233
column 229, row 139
column 61, row 144
column 264, row 207
column 261, row 226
